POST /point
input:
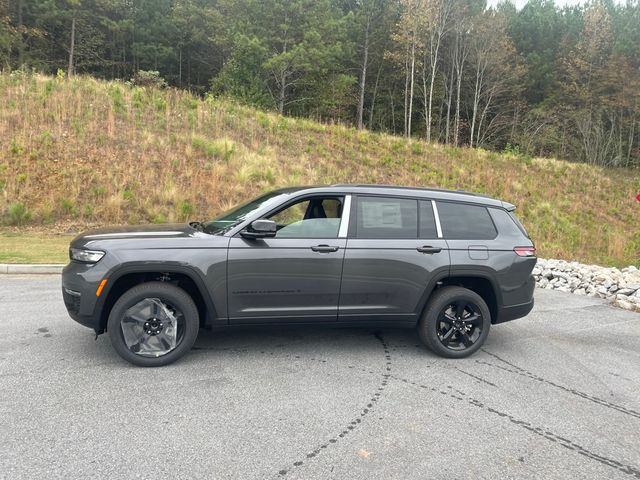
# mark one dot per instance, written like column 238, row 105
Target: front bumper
column 79, row 284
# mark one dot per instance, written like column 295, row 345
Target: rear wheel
column 455, row 322
column 153, row 324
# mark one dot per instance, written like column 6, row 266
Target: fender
column 160, row 266
column 480, row 271
column 485, row 273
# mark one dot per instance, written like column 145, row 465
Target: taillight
column 525, row 251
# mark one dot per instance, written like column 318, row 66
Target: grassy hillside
column 86, row 152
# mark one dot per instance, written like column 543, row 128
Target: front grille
column 71, row 300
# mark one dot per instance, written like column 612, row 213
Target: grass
column 89, row 152
column 33, row 248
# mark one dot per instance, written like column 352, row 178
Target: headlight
column 85, row 256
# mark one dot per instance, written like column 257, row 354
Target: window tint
column 315, row 217
column 505, row 223
column 380, row 217
column 427, row 220
column 465, row 222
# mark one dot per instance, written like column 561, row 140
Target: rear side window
column 465, row 222
column 380, row 217
column 519, row 224
column 427, row 220
column 506, row 223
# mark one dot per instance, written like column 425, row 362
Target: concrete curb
column 30, row 269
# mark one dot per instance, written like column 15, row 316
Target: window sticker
column 381, row 214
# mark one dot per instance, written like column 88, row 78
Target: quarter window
column 465, row 222
column 380, row 217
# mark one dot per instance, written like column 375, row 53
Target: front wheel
column 153, row 324
column 455, row 322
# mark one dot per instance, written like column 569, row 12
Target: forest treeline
column 542, row 80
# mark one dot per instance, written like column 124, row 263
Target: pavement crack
column 542, row 432
column 477, row 377
column 355, row 422
column 525, row 373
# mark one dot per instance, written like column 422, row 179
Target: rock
column 621, row 286
column 624, row 304
column 625, row 291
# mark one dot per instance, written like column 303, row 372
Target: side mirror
column 260, row 229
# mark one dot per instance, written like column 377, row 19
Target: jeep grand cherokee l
column 448, row 263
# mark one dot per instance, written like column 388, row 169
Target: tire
column 153, row 324
column 448, row 333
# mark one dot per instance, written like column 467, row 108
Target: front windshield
column 236, row 215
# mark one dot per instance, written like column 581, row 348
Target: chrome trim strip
column 437, row 217
column 134, row 234
column 344, row 222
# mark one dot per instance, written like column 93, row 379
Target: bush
column 186, row 209
column 18, row 213
column 148, row 78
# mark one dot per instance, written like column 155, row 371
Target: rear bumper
column 513, row 312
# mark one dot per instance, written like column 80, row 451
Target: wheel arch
column 480, row 282
column 182, row 276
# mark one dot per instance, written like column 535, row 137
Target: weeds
column 86, row 158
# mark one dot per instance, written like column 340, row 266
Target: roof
column 418, row 192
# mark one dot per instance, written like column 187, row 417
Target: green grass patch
column 34, row 248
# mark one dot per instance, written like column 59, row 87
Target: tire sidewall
column 166, row 292
column 427, row 328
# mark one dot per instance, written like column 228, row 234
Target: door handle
column 324, row 248
column 429, row 249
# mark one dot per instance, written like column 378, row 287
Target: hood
column 167, row 230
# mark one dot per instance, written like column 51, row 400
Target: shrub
column 18, row 213
column 159, row 218
column 67, row 206
column 148, row 78
column 186, row 209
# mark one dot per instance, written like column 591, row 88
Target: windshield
column 238, row 214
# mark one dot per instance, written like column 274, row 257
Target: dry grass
column 93, row 152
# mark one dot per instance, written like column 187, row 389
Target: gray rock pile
column 621, row 287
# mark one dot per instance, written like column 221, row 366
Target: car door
column 394, row 251
column 294, row 276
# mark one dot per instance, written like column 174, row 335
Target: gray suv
column 447, row 262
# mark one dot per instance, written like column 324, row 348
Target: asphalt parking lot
column 554, row 395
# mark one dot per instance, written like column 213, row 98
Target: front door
column 394, row 253
column 295, row 276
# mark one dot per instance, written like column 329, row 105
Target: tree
column 436, row 18
column 494, row 70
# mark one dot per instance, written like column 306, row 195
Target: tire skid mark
column 371, row 404
column 525, row 373
column 564, row 442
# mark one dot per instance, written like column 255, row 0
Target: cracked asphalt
column 554, row 395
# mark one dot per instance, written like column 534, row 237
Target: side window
column 427, row 220
column 505, row 223
column 315, row 217
column 380, row 217
column 465, row 222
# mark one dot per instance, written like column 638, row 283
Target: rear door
column 394, row 251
